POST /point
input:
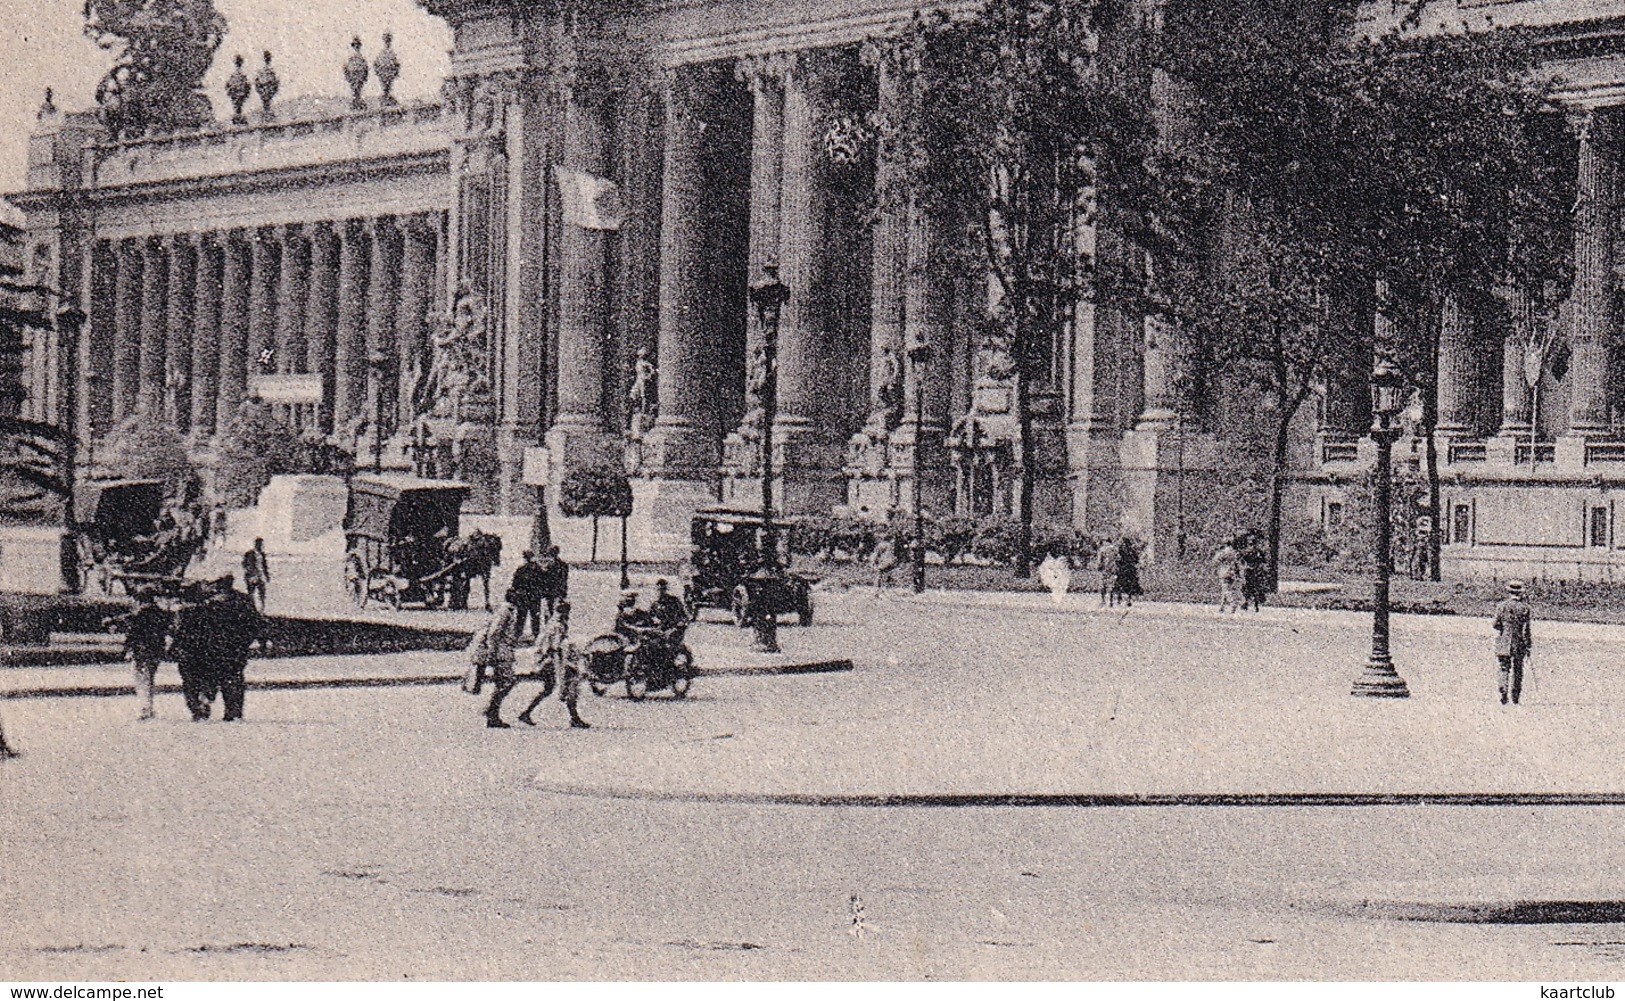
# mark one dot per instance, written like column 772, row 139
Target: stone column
column 892, row 276
column 99, row 346
column 1591, row 304
column 350, row 342
column 810, row 462
column 765, row 75
column 177, row 386
column 206, row 335
column 262, row 301
column 1515, row 395
column 236, row 276
column 579, row 436
column 419, row 237
column 293, row 270
column 1457, row 370
column 383, row 300
column 154, row 286
column 321, row 314
column 682, row 444
column 127, row 330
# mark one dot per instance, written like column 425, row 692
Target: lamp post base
column 1380, row 680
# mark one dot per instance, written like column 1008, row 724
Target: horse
column 475, row 555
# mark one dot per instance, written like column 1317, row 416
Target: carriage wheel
column 682, row 672
column 637, row 683
column 355, row 581
column 391, row 593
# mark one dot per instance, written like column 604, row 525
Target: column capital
column 766, row 71
column 381, row 226
column 890, row 53
column 322, row 231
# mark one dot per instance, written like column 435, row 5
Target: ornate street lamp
column 1379, row 679
column 768, row 298
column 920, row 354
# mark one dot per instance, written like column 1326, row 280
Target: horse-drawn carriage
column 125, row 535
column 402, row 546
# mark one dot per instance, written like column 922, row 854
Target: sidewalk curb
column 405, row 681
column 1097, row 800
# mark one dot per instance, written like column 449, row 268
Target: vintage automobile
column 398, row 533
column 724, row 564
column 124, row 537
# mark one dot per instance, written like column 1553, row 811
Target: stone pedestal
column 871, row 490
column 296, row 509
column 31, row 559
column 662, row 511
column 1169, row 486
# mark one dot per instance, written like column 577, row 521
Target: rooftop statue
column 164, row 49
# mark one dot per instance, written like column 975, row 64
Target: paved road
column 384, row 834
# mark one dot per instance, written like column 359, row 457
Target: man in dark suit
column 1513, row 640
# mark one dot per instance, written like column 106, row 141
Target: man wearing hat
column 1513, row 640
column 528, row 587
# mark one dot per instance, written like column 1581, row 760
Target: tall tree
column 1432, row 167
column 1020, row 130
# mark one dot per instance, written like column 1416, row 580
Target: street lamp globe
column 769, row 296
column 1387, row 385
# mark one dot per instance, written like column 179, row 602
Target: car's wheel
column 637, row 687
column 682, row 672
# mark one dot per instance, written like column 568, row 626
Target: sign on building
column 286, row 388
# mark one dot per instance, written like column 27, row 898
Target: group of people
column 1118, row 561
column 518, row 621
column 1243, row 572
column 208, row 635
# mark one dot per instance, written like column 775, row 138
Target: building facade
column 549, row 269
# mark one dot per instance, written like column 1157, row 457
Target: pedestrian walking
column 256, row 573
column 235, row 621
column 492, row 655
column 1514, row 640
column 1106, row 562
column 146, row 634
column 556, row 580
column 1055, row 573
column 555, row 660
column 192, row 647
column 529, row 585
column 1254, row 575
column 1227, row 566
column 1128, row 571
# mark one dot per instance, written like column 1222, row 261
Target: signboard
column 286, row 388
column 538, row 460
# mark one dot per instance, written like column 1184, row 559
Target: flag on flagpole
column 589, row 202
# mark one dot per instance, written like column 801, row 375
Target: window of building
column 1334, row 515
column 1461, row 524
column 1599, row 527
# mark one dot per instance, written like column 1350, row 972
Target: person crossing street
column 1514, row 640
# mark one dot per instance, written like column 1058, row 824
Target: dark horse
column 475, row 555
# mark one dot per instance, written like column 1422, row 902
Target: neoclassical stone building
column 473, row 299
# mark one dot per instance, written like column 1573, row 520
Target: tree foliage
column 596, row 492
column 255, row 447
column 1392, row 168
column 1021, row 126
column 145, row 449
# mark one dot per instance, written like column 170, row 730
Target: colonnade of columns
column 182, row 323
